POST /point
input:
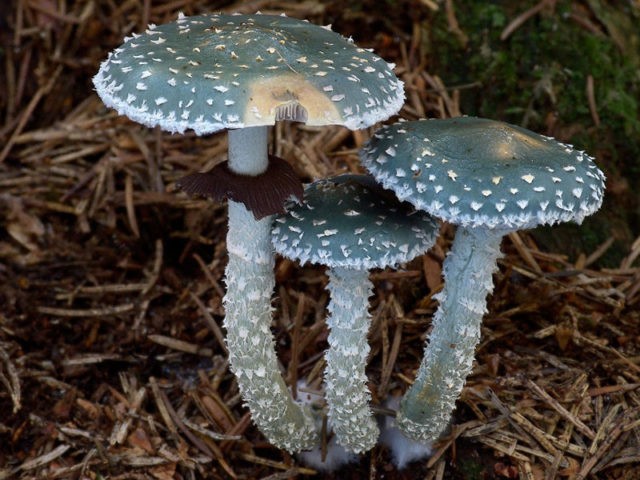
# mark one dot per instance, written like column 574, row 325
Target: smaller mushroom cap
column 478, row 172
column 211, row 72
column 349, row 221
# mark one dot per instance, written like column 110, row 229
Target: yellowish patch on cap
column 269, row 98
column 509, row 141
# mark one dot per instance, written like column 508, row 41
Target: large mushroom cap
column 211, row 72
column 349, row 221
column 473, row 171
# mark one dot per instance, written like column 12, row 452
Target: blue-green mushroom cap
column 349, row 221
column 478, row 172
column 211, row 72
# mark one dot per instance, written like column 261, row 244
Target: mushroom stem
column 346, row 388
column 248, row 153
column 426, row 408
column 248, row 312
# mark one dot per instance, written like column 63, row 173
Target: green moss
column 573, row 240
column 540, row 70
column 538, row 76
column 471, row 468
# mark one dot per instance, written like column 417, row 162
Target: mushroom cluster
column 488, row 178
column 243, row 73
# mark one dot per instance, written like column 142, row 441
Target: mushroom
column 244, row 72
column 488, row 178
column 349, row 224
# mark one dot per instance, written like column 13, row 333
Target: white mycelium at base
column 403, row 450
column 324, row 458
column 346, row 381
column 248, row 313
column 426, row 408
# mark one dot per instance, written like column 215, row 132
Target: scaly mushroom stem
column 248, row 312
column 345, row 378
column 427, row 406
